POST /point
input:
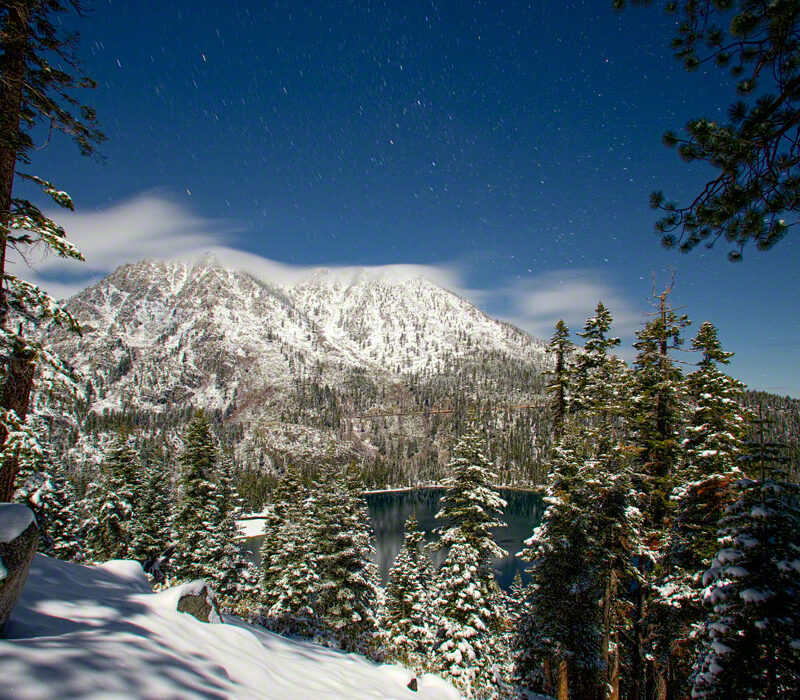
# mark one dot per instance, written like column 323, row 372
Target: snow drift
column 81, row 631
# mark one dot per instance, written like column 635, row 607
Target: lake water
column 389, row 510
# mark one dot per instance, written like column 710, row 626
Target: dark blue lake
column 389, row 510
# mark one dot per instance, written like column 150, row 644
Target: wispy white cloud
column 572, row 295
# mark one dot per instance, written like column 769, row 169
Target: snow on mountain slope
column 160, row 334
column 403, row 325
column 81, row 631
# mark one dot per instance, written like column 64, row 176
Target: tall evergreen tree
column 471, row 649
column 347, row 594
column 751, row 645
column 472, row 506
column 232, row 576
column 472, row 624
column 195, row 515
column 562, row 348
column 39, row 75
column 112, row 502
column 657, row 414
column 593, row 532
column 558, row 641
column 713, row 446
column 151, row 529
column 409, row 615
column 48, row 491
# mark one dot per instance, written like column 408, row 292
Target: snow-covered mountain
column 294, row 364
column 158, row 334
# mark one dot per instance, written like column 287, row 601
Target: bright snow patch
column 82, row 631
column 15, row 518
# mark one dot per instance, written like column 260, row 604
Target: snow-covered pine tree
column 196, row 514
column 233, row 578
column 347, row 594
column 751, row 645
column 600, row 387
column 48, row 491
column 409, row 616
column 656, row 416
column 285, row 507
column 111, row 502
column 472, row 646
column 471, row 506
column 589, row 535
column 471, row 651
column 713, row 447
column 559, row 381
column 151, row 529
column 557, row 648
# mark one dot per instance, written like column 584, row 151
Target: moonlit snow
column 81, row 631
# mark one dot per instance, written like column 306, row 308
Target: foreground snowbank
column 82, row 631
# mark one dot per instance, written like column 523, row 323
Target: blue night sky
column 508, row 147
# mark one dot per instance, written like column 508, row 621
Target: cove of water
column 389, row 510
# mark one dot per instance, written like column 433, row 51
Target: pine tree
column 756, row 153
column 196, row 508
column 151, row 529
column 233, row 577
column 347, row 594
column 656, row 416
column 472, row 621
column 600, row 386
column 751, row 645
column 37, row 87
column 59, row 514
column 562, row 348
column 590, row 533
column 285, row 508
column 712, row 449
column 408, row 613
column 471, row 507
column 471, row 651
column 558, row 642
column 112, row 502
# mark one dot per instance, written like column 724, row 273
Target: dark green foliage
column 562, row 348
column 751, row 644
column 151, row 528
column 346, row 591
column 112, row 502
column 471, row 507
column 195, row 514
column 755, row 192
column 712, row 450
column 408, row 610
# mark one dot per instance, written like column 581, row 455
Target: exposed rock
column 198, row 600
column 19, row 536
column 412, row 685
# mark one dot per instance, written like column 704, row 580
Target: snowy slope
column 98, row 632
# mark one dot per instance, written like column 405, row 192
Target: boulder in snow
column 19, row 536
column 198, row 600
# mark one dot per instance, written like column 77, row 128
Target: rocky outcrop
column 198, row 600
column 19, row 536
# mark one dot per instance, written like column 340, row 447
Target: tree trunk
column 548, row 675
column 563, row 681
column 608, row 598
column 12, row 74
column 613, row 685
column 15, row 396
